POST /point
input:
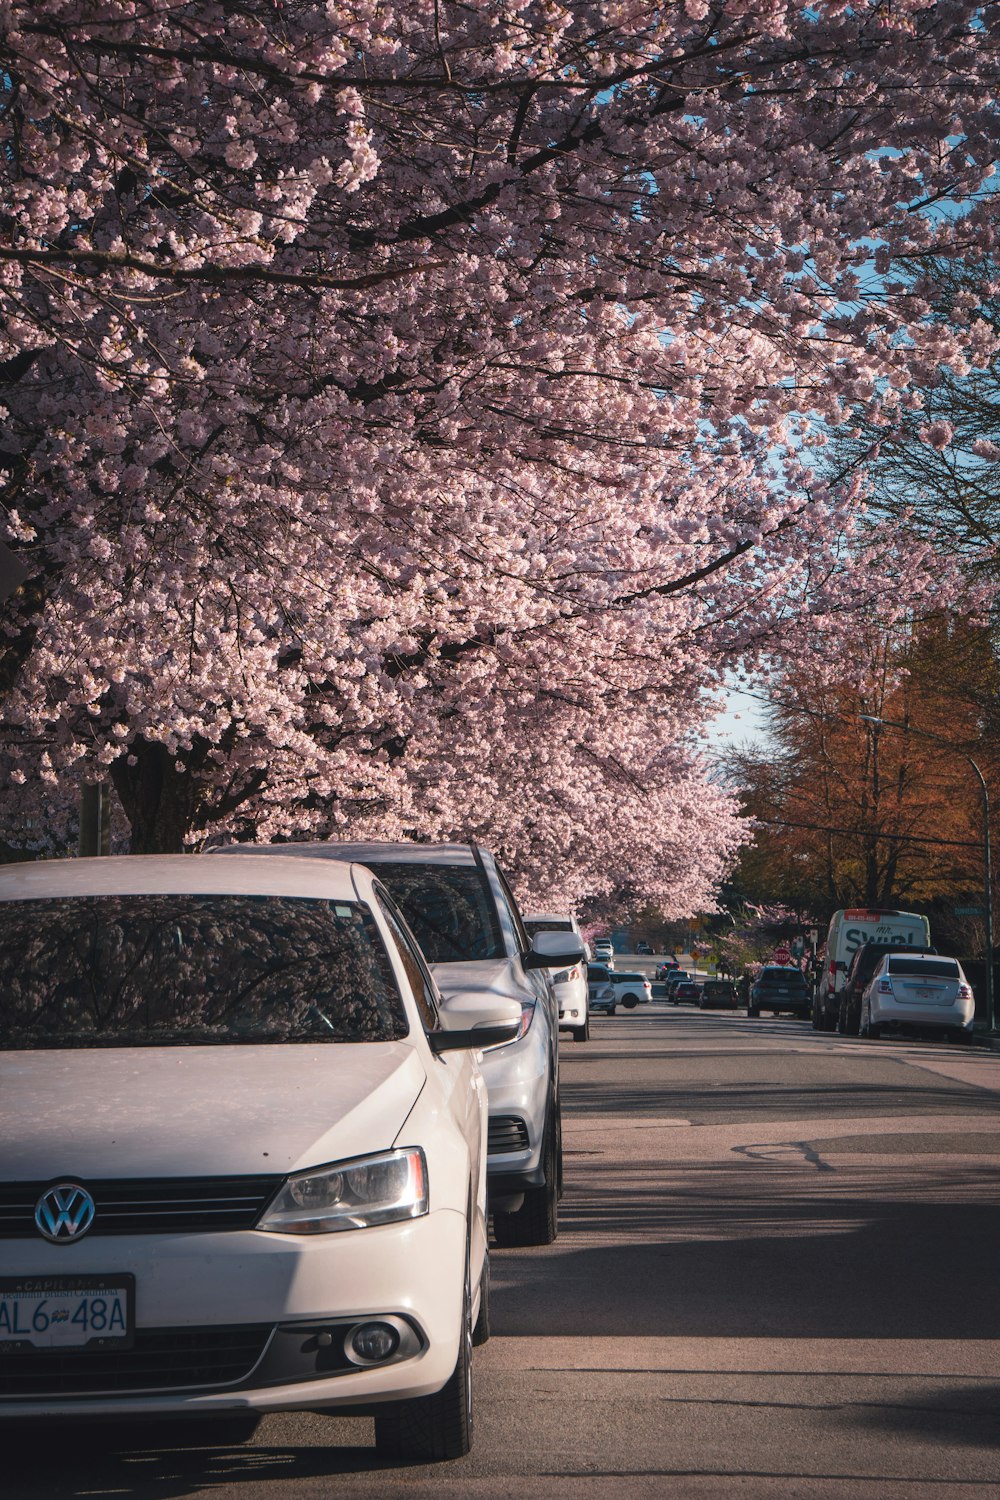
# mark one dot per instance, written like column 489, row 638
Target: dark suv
column 859, row 975
column 777, row 989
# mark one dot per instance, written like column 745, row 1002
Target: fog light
column 374, row 1342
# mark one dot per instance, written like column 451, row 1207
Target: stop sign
column 782, row 955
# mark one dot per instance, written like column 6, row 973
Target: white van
column 849, row 930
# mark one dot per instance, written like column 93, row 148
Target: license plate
column 67, row 1312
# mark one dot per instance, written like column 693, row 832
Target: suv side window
column 417, row 972
column 509, row 914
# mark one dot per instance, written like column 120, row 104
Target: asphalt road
column 776, row 1275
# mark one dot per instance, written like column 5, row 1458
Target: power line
column 868, row 833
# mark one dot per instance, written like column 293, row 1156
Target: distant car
column 603, row 948
column 631, row 989
column 779, row 988
column 258, row 1180
column 641, row 947
column 570, row 984
column 718, row 992
column 918, row 991
column 676, row 977
column 859, row 974
column 601, row 995
column 685, row 992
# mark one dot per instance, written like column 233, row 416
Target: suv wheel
column 582, row 1033
column 537, row 1220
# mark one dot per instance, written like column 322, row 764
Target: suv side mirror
column 475, row 1021
column 554, row 950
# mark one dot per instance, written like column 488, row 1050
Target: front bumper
column 278, row 1305
column 519, row 1086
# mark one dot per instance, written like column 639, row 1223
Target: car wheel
column 817, row 1019
column 481, row 1331
column 612, row 1009
column 753, row 1011
column 630, row 1001
column 582, row 1033
column 537, row 1220
column 429, row 1429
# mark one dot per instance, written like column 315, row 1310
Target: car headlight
column 351, row 1195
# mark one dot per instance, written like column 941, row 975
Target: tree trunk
column 160, row 801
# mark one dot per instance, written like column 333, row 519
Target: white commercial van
column 849, row 930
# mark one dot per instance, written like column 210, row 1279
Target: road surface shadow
column 959, row 1415
column 168, row 1460
column 717, row 1253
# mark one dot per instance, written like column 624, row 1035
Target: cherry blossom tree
column 409, row 407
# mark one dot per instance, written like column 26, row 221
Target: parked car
column 258, row 1178
column 918, row 991
column 464, row 917
column 778, row 988
column 642, row 947
column 719, row 993
column 859, row 972
column 601, row 995
column 570, row 984
column 849, row 930
column 685, row 992
column 676, row 977
column 631, row 989
column 604, row 952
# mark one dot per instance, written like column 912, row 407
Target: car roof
column 180, row 874
column 404, row 852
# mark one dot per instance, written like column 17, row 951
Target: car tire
column 753, row 1011
column 630, row 1001
column 537, row 1220
column 582, row 1033
column 481, row 1331
column 612, row 1009
column 430, row 1429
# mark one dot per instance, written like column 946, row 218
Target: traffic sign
column 969, row 911
column 782, row 955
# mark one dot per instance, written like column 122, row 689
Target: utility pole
column 95, row 819
column 987, row 857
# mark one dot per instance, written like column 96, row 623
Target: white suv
column 461, row 911
column 570, row 984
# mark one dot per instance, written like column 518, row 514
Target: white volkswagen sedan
column 242, row 1149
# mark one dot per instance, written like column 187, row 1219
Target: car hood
column 498, row 976
column 200, row 1111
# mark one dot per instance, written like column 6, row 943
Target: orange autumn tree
column 852, row 812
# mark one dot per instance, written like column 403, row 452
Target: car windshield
column 781, row 976
column 168, row 970
column 450, row 909
column 546, row 924
column 926, row 968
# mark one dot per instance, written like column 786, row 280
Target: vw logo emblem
column 64, row 1212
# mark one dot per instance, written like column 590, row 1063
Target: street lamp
column 987, row 862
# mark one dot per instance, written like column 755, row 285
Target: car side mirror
column 554, row 950
column 474, row 1021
